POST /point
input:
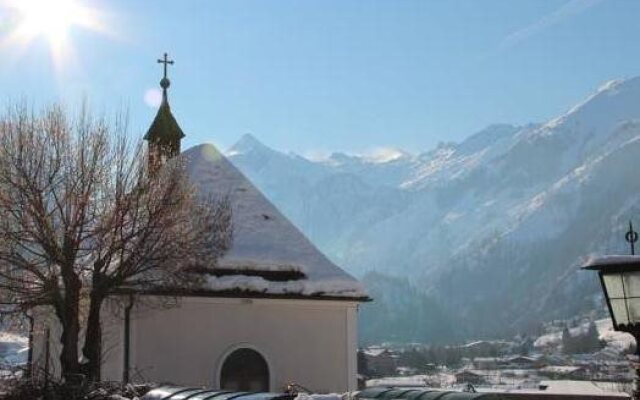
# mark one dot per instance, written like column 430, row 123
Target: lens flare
column 52, row 20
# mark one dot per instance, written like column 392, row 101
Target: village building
column 468, row 376
column 521, row 362
column 564, row 372
column 274, row 312
column 485, row 348
column 380, row 361
column 485, row 362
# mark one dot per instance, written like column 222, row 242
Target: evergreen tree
column 592, row 338
column 414, row 358
column 567, row 341
column 363, row 366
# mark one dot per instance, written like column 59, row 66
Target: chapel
column 274, row 312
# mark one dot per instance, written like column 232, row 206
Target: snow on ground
column 583, row 388
column 435, row 380
column 13, row 349
column 8, row 337
column 13, row 353
column 331, row 396
column 415, row 380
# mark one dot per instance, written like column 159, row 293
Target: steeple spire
column 164, row 134
column 165, row 82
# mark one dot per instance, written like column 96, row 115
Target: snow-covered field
column 13, row 349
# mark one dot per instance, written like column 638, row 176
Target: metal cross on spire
column 164, row 83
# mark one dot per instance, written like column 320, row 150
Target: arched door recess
column 245, row 370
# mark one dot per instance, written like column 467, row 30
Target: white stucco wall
column 45, row 321
column 309, row 342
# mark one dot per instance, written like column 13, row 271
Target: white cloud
column 566, row 11
column 373, row 155
column 317, row 155
column 383, row 154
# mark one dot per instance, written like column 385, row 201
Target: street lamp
column 620, row 279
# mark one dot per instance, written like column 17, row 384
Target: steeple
column 164, row 134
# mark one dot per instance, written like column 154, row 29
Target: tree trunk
column 92, row 349
column 69, row 316
column 29, row 371
column 69, row 320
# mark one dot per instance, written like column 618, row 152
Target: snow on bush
column 615, row 341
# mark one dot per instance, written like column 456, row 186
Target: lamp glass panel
column 613, row 284
column 634, row 310
column 619, row 311
column 631, row 283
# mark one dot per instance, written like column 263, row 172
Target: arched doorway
column 245, row 370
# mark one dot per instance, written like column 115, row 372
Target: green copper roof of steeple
column 164, row 126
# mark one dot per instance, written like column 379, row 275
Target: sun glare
column 50, row 20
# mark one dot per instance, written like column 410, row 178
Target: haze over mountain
column 489, row 232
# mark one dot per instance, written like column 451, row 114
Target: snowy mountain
column 493, row 227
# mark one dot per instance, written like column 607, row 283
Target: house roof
column 264, row 239
column 486, row 359
column 376, row 351
column 521, row 359
column 561, row 369
column 468, row 372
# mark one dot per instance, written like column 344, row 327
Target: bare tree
column 81, row 217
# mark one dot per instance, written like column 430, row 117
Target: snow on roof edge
column 597, row 261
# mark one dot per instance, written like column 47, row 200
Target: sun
column 52, row 20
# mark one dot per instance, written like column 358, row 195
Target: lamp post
column 620, row 280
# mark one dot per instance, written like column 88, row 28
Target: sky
column 333, row 75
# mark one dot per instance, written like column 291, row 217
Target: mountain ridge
column 505, row 204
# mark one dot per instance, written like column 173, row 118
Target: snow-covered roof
column 375, row 351
column 263, row 238
column 469, row 372
column 611, row 260
column 485, row 359
column 561, row 369
column 521, row 359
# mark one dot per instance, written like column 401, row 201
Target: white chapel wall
column 46, row 325
column 308, row 342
